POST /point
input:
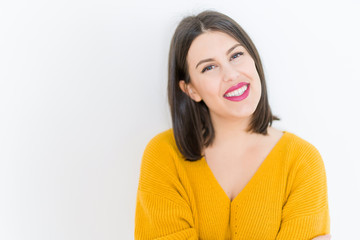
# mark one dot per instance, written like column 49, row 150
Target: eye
column 208, row 68
column 236, row 55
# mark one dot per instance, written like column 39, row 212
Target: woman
column 222, row 171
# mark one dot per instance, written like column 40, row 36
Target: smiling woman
column 218, row 83
column 222, row 171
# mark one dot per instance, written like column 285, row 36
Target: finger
column 323, row 237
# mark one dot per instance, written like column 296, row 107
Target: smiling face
column 223, row 75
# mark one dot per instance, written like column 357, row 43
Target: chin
column 245, row 112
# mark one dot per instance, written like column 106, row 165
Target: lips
column 238, row 92
column 237, row 86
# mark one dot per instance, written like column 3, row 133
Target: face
column 223, row 75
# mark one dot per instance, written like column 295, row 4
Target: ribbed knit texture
column 285, row 199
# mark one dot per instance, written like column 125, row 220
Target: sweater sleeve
column 162, row 206
column 305, row 214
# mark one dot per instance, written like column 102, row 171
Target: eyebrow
column 211, row 59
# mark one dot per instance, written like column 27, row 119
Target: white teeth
column 237, row 92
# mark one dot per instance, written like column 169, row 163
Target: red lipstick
column 234, row 88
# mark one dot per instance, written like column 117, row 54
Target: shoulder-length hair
column 192, row 126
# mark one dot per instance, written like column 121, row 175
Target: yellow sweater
column 179, row 199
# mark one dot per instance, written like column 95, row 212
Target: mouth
column 238, row 92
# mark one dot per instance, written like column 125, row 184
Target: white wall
column 83, row 89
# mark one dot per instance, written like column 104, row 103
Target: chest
column 232, row 200
column 238, row 198
column 233, row 174
column 234, row 169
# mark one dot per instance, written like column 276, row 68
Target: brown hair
column 192, row 126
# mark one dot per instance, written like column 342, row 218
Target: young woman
column 222, row 171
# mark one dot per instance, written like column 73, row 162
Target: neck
column 230, row 132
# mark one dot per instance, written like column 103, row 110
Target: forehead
column 210, row 44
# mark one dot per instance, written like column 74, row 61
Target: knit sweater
column 286, row 198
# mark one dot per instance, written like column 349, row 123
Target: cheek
column 209, row 90
column 255, row 77
column 257, row 86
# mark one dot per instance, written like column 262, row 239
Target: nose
column 230, row 73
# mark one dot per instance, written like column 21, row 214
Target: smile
column 238, row 92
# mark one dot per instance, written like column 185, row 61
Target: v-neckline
column 252, row 179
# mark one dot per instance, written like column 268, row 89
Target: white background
column 83, row 89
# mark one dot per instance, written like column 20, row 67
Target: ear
column 190, row 91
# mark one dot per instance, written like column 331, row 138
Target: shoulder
column 162, row 141
column 298, row 144
column 306, row 173
column 161, row 150
column 301, row 152
column 160, row 165
column 292, row 143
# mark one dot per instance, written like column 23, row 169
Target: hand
column 323, row 237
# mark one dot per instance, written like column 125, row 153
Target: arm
column 305, row 214
column 162, row 207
